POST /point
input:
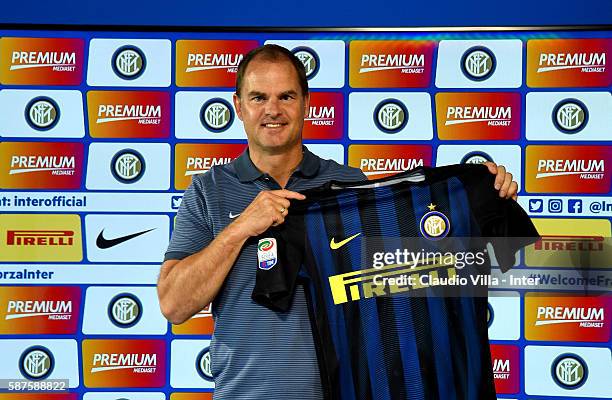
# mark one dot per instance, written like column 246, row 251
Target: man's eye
column 287, row 97
column 257, row 99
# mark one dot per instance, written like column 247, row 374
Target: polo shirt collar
column 248, row 172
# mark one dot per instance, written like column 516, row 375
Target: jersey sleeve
column 501, row 221
column 192, row 229
column 275, row 286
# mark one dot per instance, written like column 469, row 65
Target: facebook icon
column 574, row 206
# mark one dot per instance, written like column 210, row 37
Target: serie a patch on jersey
column 267, row 253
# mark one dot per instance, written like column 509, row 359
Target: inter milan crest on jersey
column 434, row 224
column 267, row 253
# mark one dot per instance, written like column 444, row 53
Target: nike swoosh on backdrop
column 334, row 246
column 104, row 243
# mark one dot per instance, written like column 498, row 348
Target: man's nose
column 273, row 107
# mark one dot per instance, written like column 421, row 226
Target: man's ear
column 237, row 106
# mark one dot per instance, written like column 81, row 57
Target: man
column 256, row 353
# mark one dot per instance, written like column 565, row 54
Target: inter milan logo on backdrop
column 478, row 63
column 570, row 116
column 476, row 157
column 569, row 371
column 216, row 115
column 434, row 225
column 203, row 365
column 42, row 113
column 309, row 58
column 125, row 310
column 36, row 363
column 129, row 62
column 128, row 166
column 390, row 116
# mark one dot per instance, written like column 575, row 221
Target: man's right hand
column 269, row 208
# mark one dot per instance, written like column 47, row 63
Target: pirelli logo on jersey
column 391, row 279
column 390, row 63
column 40, row 237
column 211, row 63
column 379, row 161
column 193, row 159
column 569, row 62
column 41, row 61
column 128, row 114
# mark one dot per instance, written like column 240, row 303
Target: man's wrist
column 234, row 234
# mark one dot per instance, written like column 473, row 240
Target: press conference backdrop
column 101, row 132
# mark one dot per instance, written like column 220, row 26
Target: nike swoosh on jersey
column 104, row 243
column 334, row 246
column 232, row 216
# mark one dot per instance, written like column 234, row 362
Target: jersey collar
column 248, row 172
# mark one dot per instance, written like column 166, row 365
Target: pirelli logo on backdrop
column 325, row 117
column 41, row 61
column 378, row 161
column 390, row 63
column 39, row 309
column 40, row 237
column 569, row 62
column 562, row 317
column 193, row 159
column 211, row 63
column 570, row 243
column 128, row 114
column 478, row 116
column 28, row 165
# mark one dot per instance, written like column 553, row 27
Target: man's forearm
column 187, row 286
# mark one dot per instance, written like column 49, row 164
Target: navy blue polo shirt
column 256, row 353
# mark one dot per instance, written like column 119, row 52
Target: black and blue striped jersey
column 384, row 339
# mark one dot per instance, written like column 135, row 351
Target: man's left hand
column 503, row 181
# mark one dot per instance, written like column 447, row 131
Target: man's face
column 271, row 106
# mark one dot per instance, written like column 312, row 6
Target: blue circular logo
column 490, row 315
column 217, row 115
column 309, row 59
column 204, row 364
column 434, row 225
column 478, row 63
column 42, row 113
column 128, row 166
column 124, row 310
column 476, row 157
column 36, row 363
column 390, row 116
column 569, row 371
column 570, row 116
column 128, row 62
